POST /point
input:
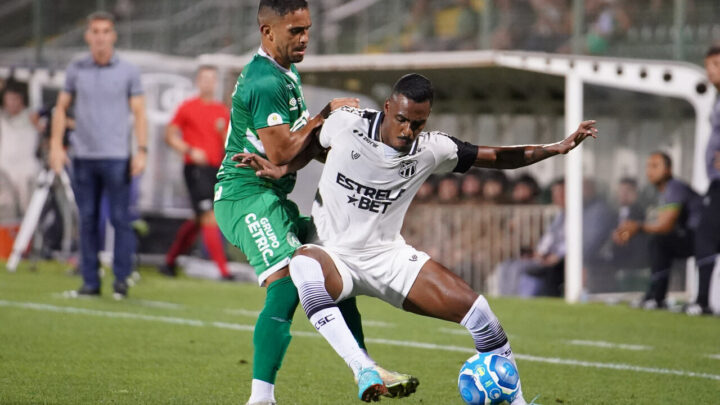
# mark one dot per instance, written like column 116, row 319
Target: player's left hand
column 138, row 163
column 585, row 130
column 263, row 167
column 716, row 161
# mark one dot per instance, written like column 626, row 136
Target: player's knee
column 305, row 269
column 308, row 251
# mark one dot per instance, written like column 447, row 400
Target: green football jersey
column 266, row 94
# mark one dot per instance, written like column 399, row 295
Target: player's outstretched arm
column 511, row 157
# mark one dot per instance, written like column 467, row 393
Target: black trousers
column 663, row 250
column 707, row 241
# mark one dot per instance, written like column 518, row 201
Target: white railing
column 471, row 239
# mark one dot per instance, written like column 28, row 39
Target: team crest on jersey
column 293, row 240
column 354, row 155
column 408, row 168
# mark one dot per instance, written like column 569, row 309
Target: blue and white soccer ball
column 488, row 379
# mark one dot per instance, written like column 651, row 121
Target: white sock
column 324, row 314
column 262, row 391
column 488, row 335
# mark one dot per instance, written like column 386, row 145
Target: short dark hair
column 713, row 50
column 665, row 157
column 630, row 181
column 529, row 181
column 101, row 15
column 12, row 86
column 282, row 7
column 416, row 87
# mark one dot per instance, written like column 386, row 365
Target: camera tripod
column 59, row 184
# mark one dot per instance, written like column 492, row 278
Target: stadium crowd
column 534, row 25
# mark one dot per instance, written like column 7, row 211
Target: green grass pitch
column 189, row 341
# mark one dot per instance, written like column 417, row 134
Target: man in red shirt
column 198, row 132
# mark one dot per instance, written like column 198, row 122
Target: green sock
column 272, row 329
column 349, row 311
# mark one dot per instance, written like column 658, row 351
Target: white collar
column 264, row 54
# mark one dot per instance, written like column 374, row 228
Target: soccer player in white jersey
column 376, row 162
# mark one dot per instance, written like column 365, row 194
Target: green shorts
column 266, row 227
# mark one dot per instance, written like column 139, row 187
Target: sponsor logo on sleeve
column 274, row 119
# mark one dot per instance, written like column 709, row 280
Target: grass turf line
column 63, row 358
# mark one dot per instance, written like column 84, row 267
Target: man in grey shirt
column 670, row 232
column 707, row 237
column 106, row 90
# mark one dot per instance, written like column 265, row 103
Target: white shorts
column 387, row 274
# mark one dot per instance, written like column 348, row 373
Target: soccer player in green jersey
column 269, row 117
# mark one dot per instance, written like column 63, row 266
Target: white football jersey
column 366, row 187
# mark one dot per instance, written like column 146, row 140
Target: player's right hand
column 343, row 102
column 57, row 159
column 314, row 125
column 263, row 167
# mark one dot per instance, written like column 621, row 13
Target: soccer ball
column 488, row 379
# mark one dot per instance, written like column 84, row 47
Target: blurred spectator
column 471, row 185
column 106, row 90
column 670, row 230
column 598, row 221
column 448, row 189
column 613, row 258
column 426, row 193
column 627, row 201
column 525, row 190
column 543, row 273
column 607, row 21
column 467, row 27
column 197, row 131
column 495, row 186
column 552, row 25
column 18, row 141
column 419, row 28
column 707, row 237
column 513, row 21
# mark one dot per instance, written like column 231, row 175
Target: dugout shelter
column 484, row 97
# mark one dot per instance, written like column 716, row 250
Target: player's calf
column 323, row 313
column 488, row 335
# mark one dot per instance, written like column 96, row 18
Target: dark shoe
column 167, row 270
column 120, row 290
column 228, row 277
column 83, row 291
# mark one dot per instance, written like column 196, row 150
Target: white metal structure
column 662, row 78
column 669, row 79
